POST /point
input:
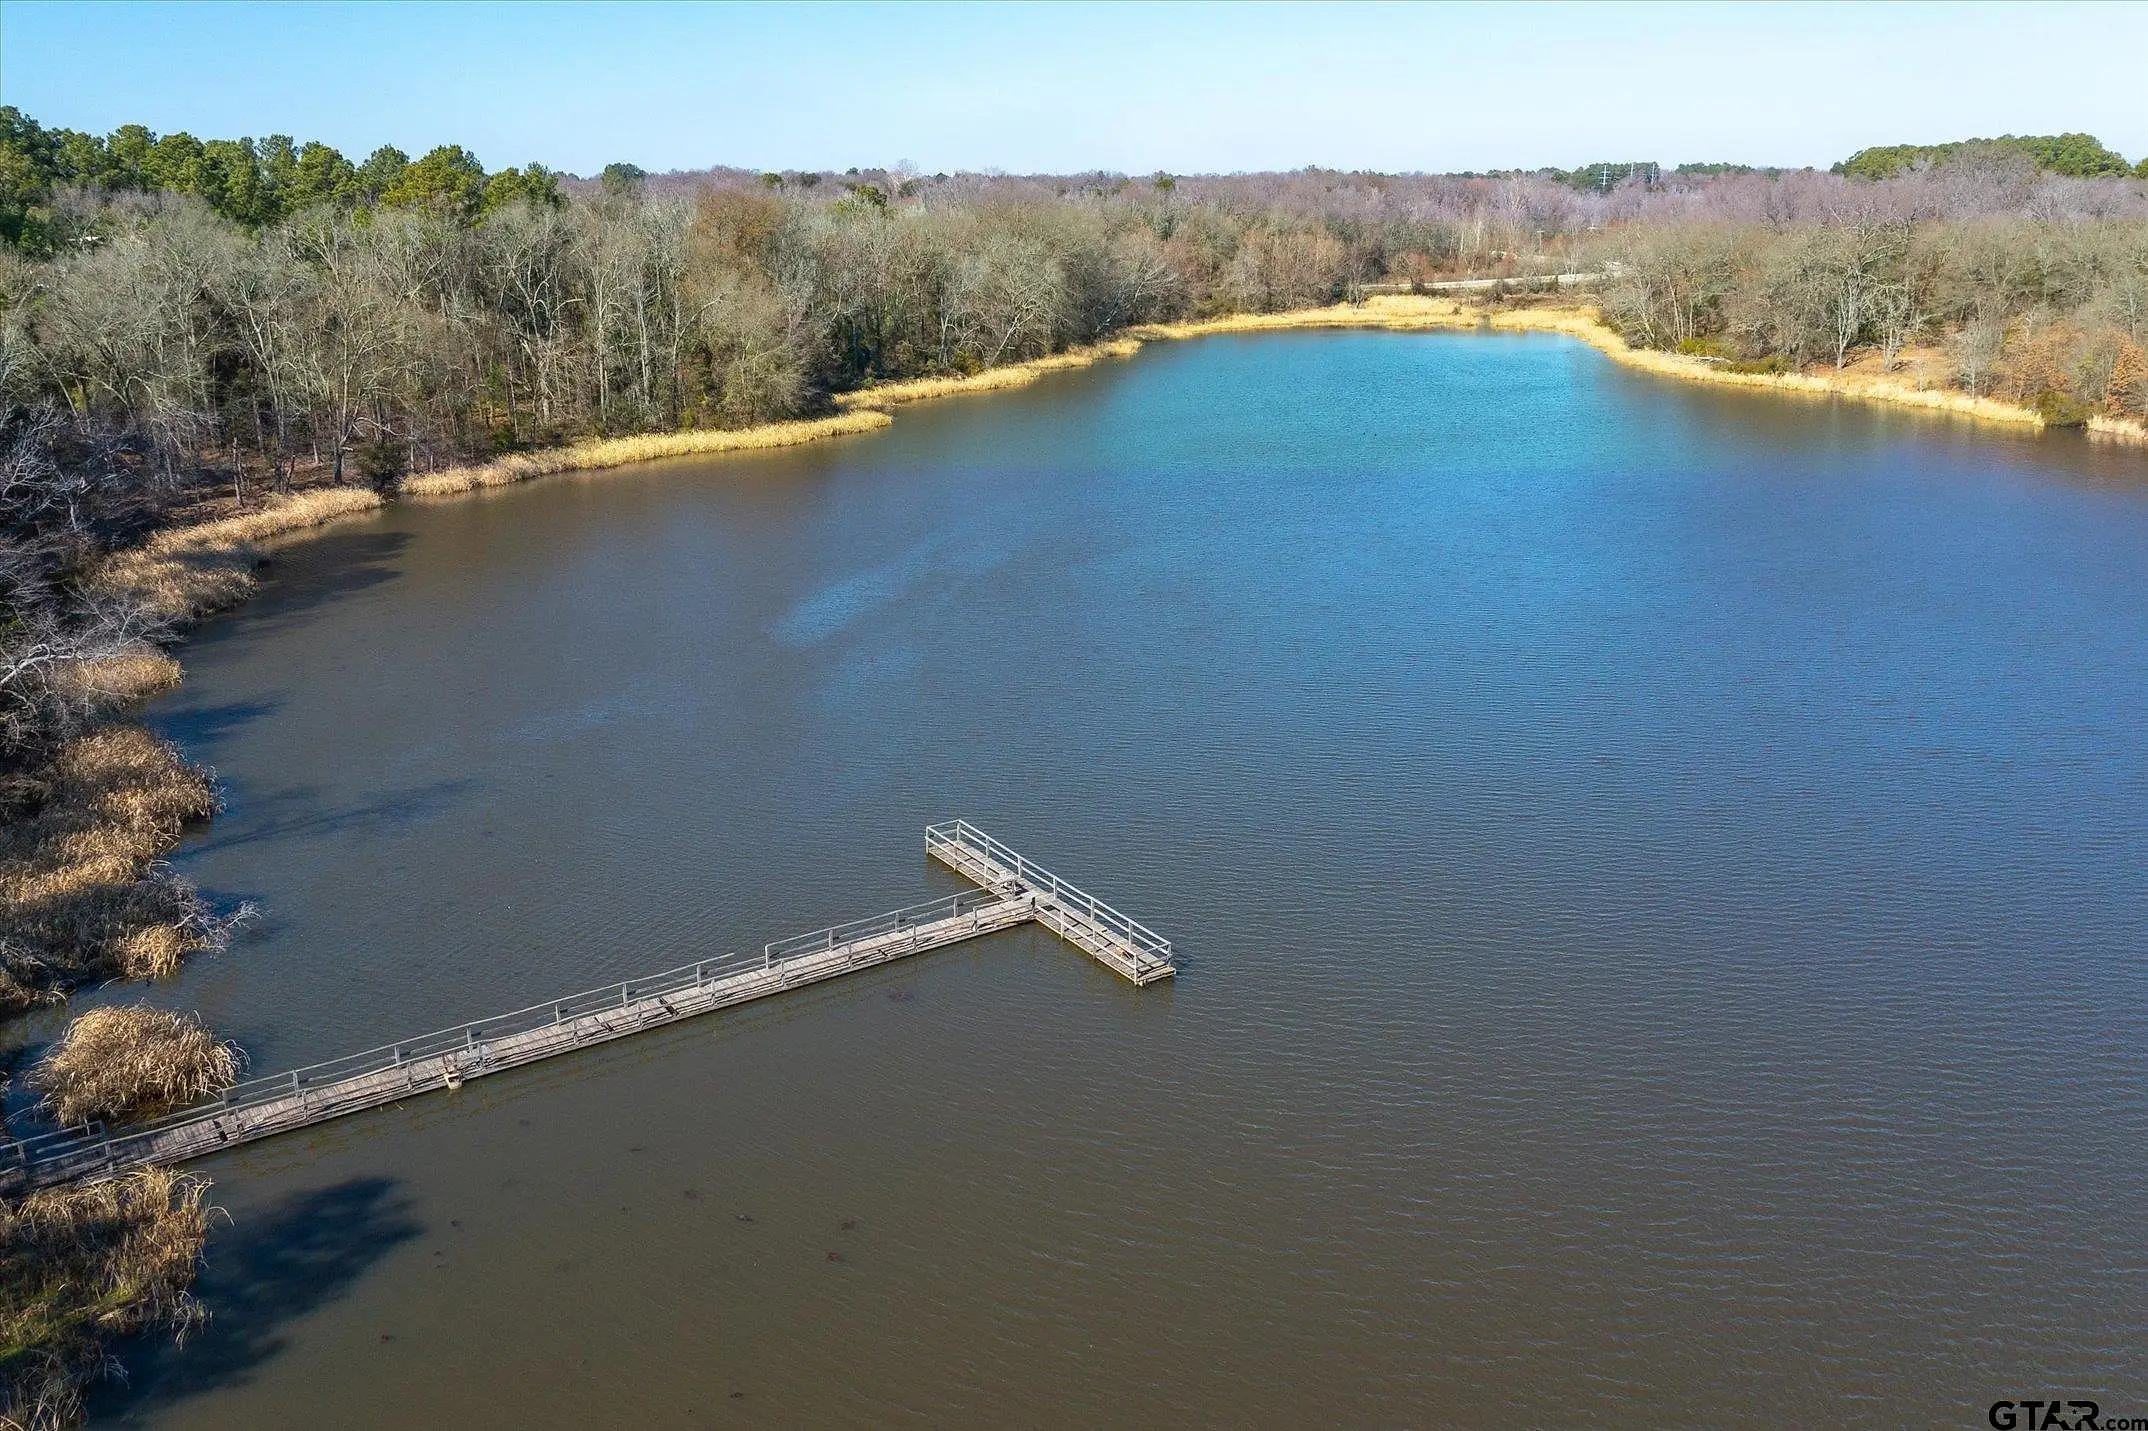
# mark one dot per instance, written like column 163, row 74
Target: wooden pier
column 1011, row 891
column 1120, row 943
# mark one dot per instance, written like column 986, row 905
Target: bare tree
column 1975, row 348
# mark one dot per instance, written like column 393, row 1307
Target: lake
column 1658, row 877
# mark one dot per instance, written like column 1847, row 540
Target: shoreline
column 121, row 798
column 185, row 573
column 599, row 454
column 227, row 540
column 990, row 380
column 1412, row 313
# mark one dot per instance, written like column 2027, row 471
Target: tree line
column 46, row 174
column 2049, row 315
column 186, row 323
column 2080, row 156
column 182, row 317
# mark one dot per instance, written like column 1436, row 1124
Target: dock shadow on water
column 262, row 1272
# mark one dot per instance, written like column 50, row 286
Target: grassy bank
column 1858, row 385
column 86, row 821
column 606, row 452
column 81, row 1267
column 1408, row 313
column 80, row 897
column 188, row 571
column 991, row 380
column 2119, row 429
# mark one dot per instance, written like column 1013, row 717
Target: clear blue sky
column 1186, row 88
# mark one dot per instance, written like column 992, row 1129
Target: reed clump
column 185, row 572
column 81, row 1267
column 2119, row 429
column 119, row 1063
column 118, row 680
column 1012, row 375
column 81, row 897
column 601, row 453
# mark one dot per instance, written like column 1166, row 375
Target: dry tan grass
column 118, row 680
column 276, row 517
column 1013, row 375
column 119, row 1063
column 620, row 451
column 80, row 1267
column 182, row 585
column 186, row 571
column 78, row 899
column 1862, row 386
column 2130, row 431
column 1395, row 311
column 154, row 951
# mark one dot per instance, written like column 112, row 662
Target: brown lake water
column 1659, row 878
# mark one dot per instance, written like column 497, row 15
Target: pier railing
column 958, row 837
column 468, row 1041
column 910, row 917
column 1012, row 891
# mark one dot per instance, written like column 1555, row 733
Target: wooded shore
column 119, row 1256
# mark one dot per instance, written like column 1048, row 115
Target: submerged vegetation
column 205, row 344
